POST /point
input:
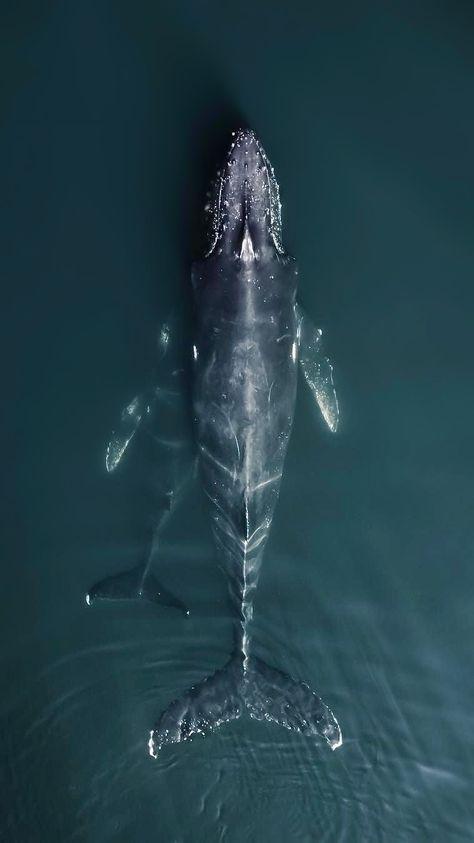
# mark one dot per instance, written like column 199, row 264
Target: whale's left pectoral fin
column 131, row 419
column 144, row 413
column 158, row 418
column 150, row 410
column 317, row 369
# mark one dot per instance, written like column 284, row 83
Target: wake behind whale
column 250, row 336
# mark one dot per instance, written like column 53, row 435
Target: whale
column 251, row 337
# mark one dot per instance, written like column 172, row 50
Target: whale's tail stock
column 245, row 685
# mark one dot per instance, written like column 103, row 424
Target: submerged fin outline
column 135, row 584
column 157, row 413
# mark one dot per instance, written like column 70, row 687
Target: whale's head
column 244, row 204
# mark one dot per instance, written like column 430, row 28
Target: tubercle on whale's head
column 244, row 206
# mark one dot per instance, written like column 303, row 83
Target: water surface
column 113, row 116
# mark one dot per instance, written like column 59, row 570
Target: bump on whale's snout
column 244, row 204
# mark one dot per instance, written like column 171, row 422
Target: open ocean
column 114, row 116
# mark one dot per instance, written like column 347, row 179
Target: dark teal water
column 112, row 117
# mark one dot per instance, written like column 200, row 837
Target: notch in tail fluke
column 250, row 686
column 136, row 584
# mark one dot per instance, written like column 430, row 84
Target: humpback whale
column 250, row 337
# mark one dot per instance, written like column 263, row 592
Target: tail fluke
column 136, row 584
column 273, row 695
column 206, row 706
column 246, row 685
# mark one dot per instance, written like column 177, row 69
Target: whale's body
column 245, row 390
column 249, row 337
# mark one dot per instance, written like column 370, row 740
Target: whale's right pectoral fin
column 317, row 369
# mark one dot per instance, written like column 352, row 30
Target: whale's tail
column 246, row 685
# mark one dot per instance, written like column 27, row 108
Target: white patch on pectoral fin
column 317, row 369
column 140, row 411
column 139, row 414
column 129, row 422
column 321, row 383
